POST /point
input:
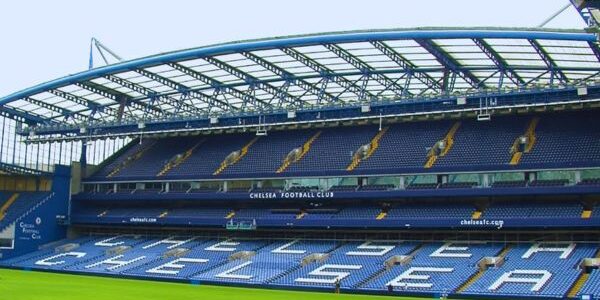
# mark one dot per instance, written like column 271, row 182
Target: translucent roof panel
column 321, row 69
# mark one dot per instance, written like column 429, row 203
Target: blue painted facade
column 39, row 226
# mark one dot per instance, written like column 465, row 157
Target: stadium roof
column 310, row 71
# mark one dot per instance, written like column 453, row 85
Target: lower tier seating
column 541, row 270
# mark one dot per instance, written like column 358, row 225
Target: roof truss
column 452, row 65
column 308, row 72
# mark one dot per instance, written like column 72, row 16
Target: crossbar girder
column 364, row 67
column 450, row 63
column 406, row 64
column 95, row 107
column 595, row 48
column 152, row 95
column 178, row 104
column 24, row 117
column 499, row 61
column 285, row 75
column 62, row 111
column 220, row 88
column 550, row 63
column 252, row 81
column 214, row 84
column 326, row 72
column 230, row 87
column 119, row 97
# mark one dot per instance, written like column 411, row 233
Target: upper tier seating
column 566, row 139
column 127, row 154
column 561, row 140
column 333, row 150
column 406, row 145
column 155, row 158
column 483, row 143
column 268, row 153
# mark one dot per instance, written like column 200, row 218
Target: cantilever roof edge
column 304, row 40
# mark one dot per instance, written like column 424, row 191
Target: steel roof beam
column 219, row 87
column 230, row 87
column 95, row 107
column 534, row 79
column 595, row 49
column 63, row 111
column 119, row 97
column 213, row 83
column 152, row 95
column 450, row 63
column 178, row 87
column 328, row 73
column 252, row 81
column 406, row 64
column 24, row 117
column 499, row 61
column 288, row 77
column 550, row 63
column 367, row 70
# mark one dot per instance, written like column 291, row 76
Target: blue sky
column 43, row 40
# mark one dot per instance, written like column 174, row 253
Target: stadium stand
column 471, row 268
column 334, row 168
column 483, row 146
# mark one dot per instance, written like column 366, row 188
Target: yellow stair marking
column 586, row 214
column 300, row 215
column 173, row 164
column 243, row 153
column 480, row 273
column 127, row 162
column 164, row 214
column 470, row 281
column 381, row 216
column 578, row 285
column 505, row 251
column 7, row 205
column 102, row 214
column 430, row 161
column 476, row 214
column 230, row 215
column 305, row 148
column 448, row 141
column 374, row 145
column 516, row 158
column 530, row 134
